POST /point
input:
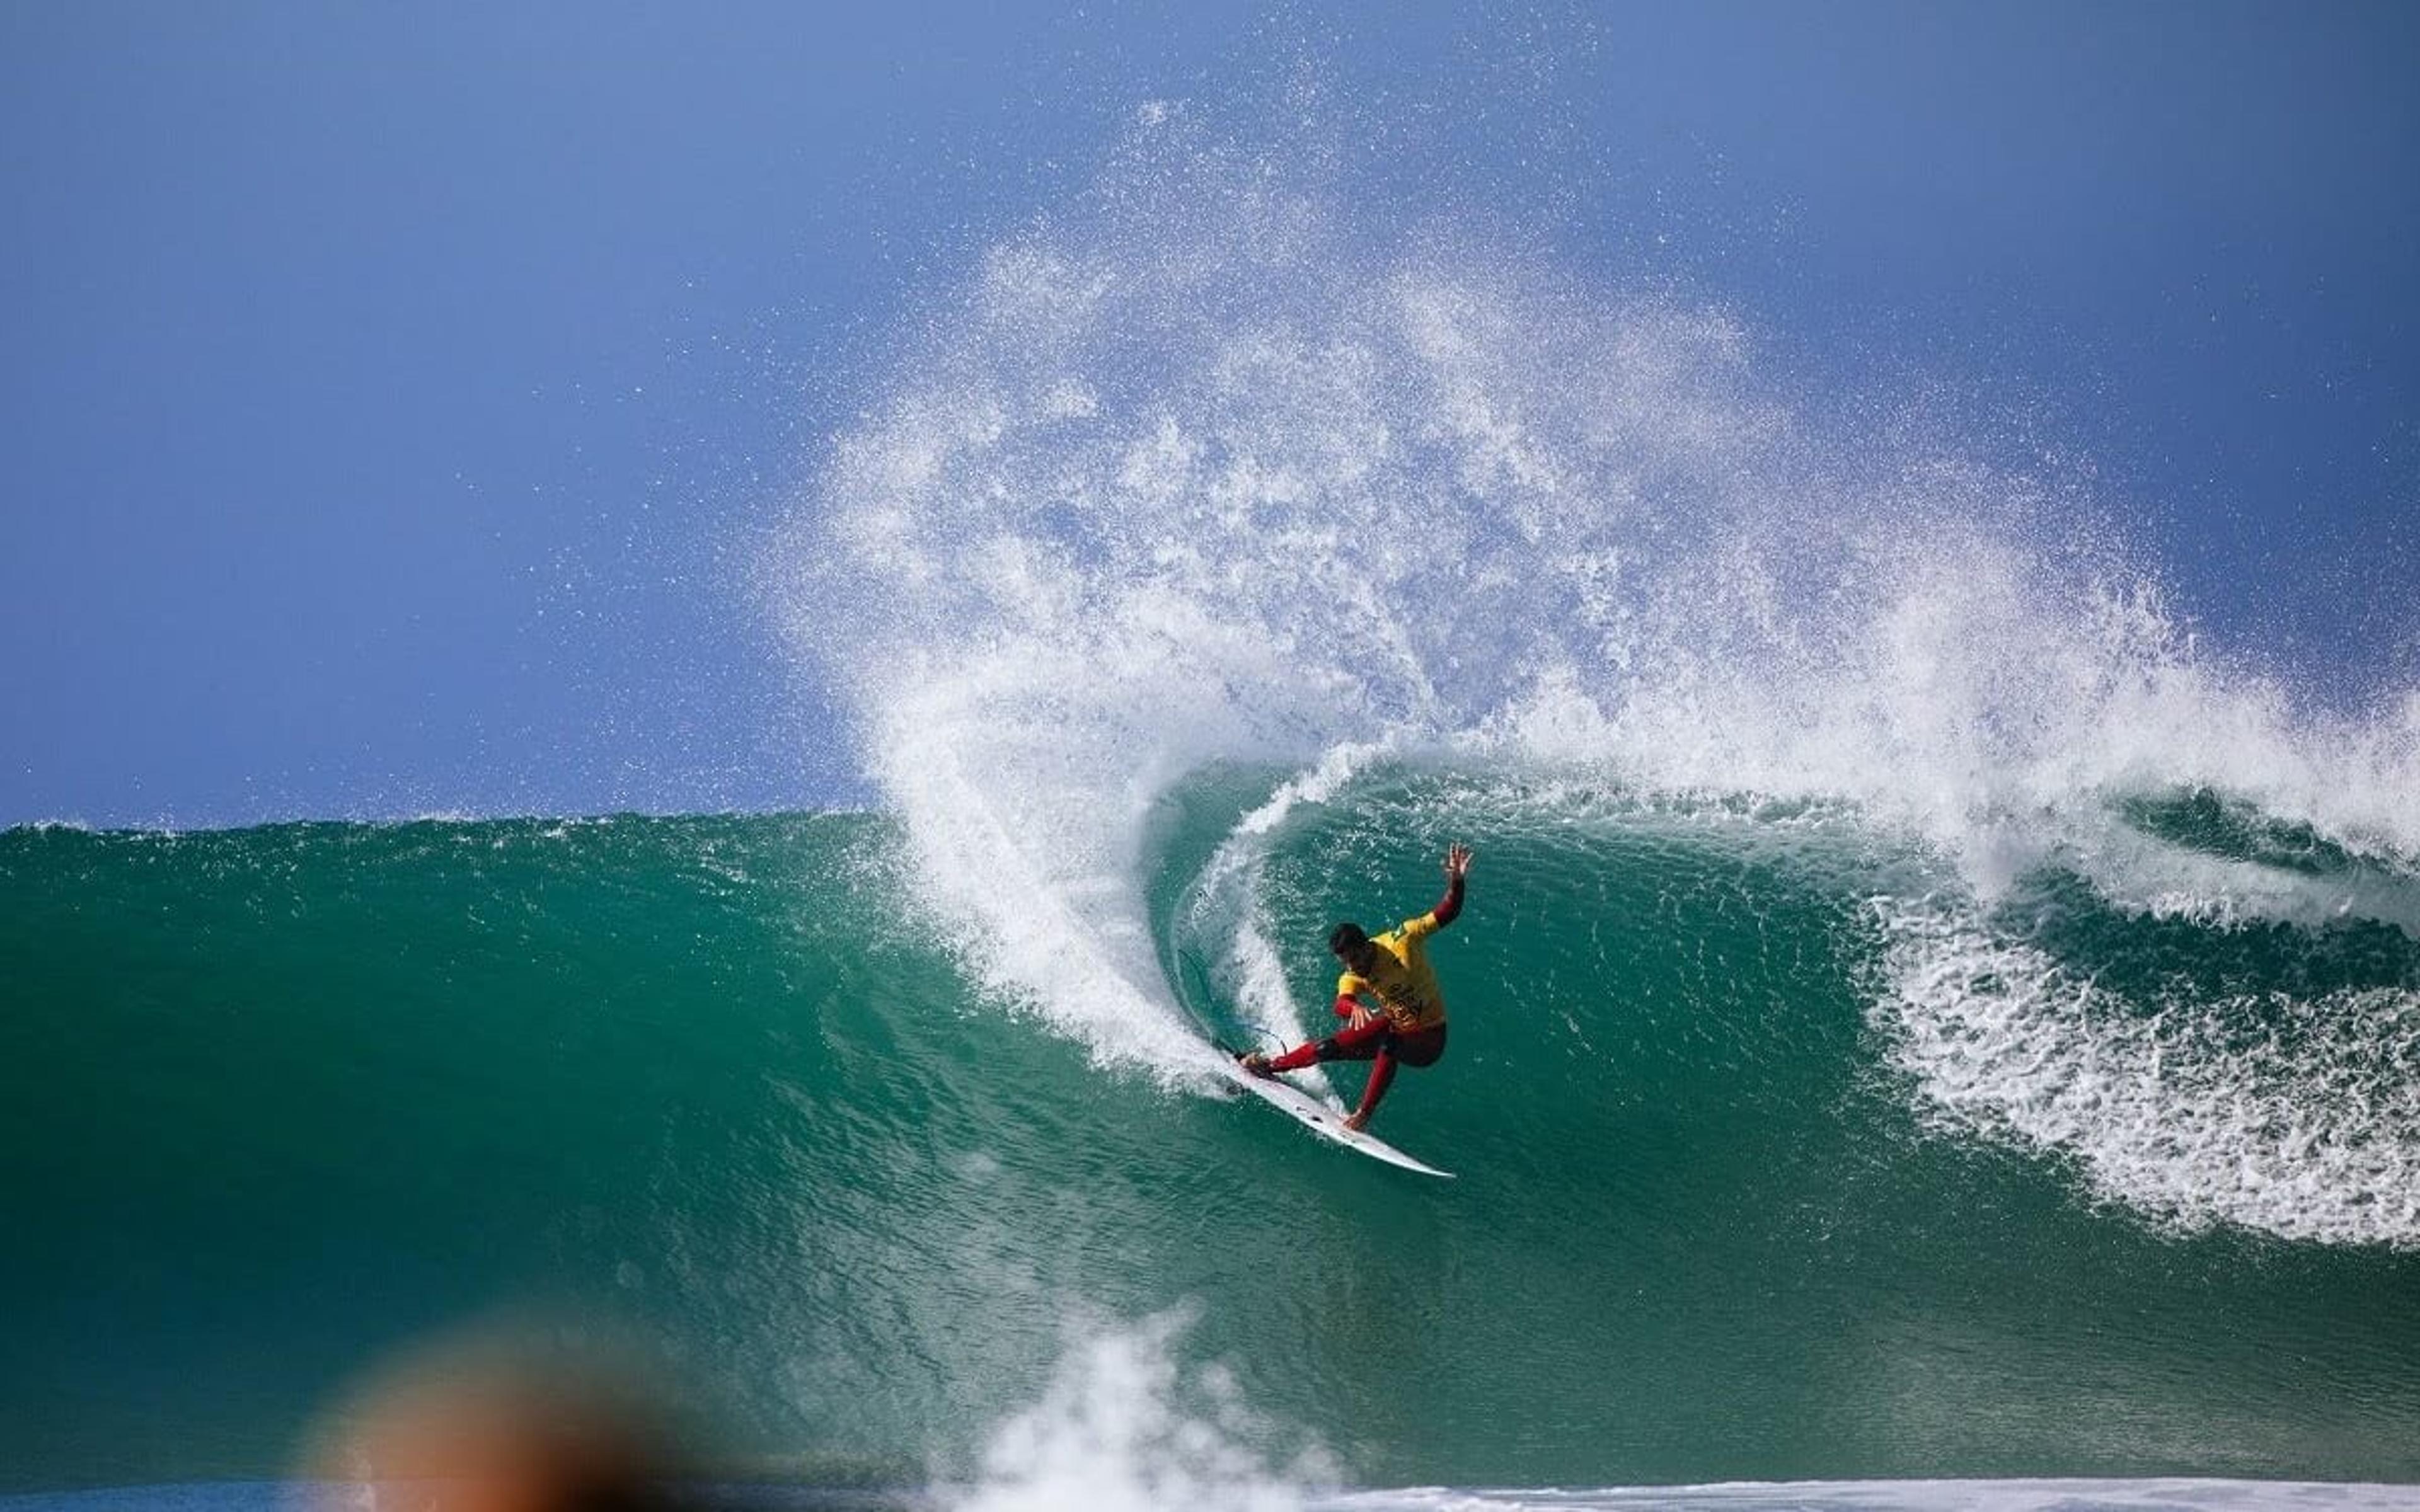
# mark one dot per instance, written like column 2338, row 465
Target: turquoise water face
column 285, row 1099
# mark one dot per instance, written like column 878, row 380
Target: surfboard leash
column 1202, row 978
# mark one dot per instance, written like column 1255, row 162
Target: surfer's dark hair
column 1345, row 937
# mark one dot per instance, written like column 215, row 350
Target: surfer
column 1408, row 1023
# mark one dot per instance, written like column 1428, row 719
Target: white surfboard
column 1320, row 1119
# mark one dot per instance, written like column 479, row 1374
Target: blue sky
column 399, row 394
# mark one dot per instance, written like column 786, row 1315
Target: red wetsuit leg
column 1297, row 1059
column 1382, row 1075
column 1420, row 1048
column 1344, row 1044
column 1376, row 1041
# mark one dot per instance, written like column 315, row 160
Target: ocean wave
column 1201, row 472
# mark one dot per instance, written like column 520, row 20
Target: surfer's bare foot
column 1357, row 1122
column 1257, row 1063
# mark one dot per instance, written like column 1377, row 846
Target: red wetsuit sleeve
column 1345, row 1004
column 1448, row 911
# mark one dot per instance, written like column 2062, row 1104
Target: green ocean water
column 282, row 1101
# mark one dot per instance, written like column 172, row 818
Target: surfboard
column 1300, row 1105
column 1320, row 1119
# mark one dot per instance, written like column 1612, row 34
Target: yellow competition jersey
column 1405, row 988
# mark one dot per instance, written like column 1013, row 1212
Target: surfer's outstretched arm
column 1457, row 867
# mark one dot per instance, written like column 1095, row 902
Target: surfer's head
column 1349, row 944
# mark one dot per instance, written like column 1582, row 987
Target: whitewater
column 1207, row 470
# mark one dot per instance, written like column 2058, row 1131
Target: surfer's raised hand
column 1457, row 861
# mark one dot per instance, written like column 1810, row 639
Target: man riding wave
column 1405, row 1021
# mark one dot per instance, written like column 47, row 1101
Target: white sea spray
column 1203, row 469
